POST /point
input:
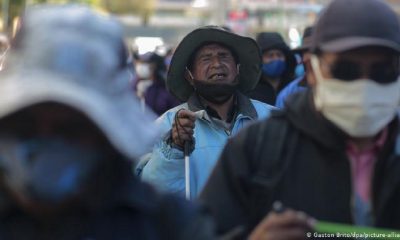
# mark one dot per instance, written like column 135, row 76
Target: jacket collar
column 302, row 114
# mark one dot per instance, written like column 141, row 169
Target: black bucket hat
column 346, row 25
column 246, row 50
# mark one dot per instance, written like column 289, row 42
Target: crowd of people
column 264, row 141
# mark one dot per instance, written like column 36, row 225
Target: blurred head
column 150, row 66
column 68, row 120
column 303, row 52
column 355, row 65
column 276, row 56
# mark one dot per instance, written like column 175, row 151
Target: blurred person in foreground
column 150, row 70
column 209, row 70
column 299, row 84
column 69, row 128
column 278, row 64
column 334, row 152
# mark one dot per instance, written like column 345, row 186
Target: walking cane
column 187, row 169
column 186, row 151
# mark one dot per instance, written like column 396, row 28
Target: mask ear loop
column 318, row 98
column 190, row 73
column 315, row 64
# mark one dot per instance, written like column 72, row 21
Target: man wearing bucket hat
column 333, row 153
column 209, row 70
column 69, row 127
column 299, row 84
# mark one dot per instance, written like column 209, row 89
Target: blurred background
column 157, row 25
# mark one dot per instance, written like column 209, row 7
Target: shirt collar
column 377, row 145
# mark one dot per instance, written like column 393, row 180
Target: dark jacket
column 158, row 98
column 132, row 210
column 298, row 158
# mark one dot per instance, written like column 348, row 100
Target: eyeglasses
column 381, row 72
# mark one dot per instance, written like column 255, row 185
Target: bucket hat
column 244, row 48
column 75, row 57
column 346, row 25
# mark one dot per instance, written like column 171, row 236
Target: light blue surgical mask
column 299, row 71
column 274, row 68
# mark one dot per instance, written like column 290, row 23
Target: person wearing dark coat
column 155, row 95
column 278, row 67
column 333, row 154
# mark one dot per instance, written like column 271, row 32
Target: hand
column 286, row 226
column 183, row 127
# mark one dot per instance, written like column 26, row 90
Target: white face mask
column 143, row 70
column 361, row 107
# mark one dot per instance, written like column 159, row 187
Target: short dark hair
column 190, row 61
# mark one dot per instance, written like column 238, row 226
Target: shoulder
column 263, row 110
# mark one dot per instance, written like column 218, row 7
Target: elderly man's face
column 214, row 63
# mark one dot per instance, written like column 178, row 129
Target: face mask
column 274, row 68
column 361, row 108
column 143, row 70
column 167, row 61
column 215, row 92
column 299, row 70
column 46, row 171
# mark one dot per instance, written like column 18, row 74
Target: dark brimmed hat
column 346, row 25
column 244, row 48
column 305, row 42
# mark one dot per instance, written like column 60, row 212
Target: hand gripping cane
column 186, row 151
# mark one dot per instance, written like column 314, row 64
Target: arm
column 165, row 169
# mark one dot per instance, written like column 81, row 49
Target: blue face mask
column 299, row 71
column 274, row 68
column 53, row 170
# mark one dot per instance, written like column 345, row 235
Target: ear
column 188, row 76
column 311, row 81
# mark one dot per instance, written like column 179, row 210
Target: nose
column 216, row 61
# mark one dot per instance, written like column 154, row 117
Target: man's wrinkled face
column 214, row 63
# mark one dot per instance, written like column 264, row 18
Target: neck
column 273, row 81
column 363, row 143
column 222, row 109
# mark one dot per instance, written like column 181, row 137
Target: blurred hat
column 271, row 40
column 244, row 48
column 346, row 25
column 75, row 57
column 305, row 42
